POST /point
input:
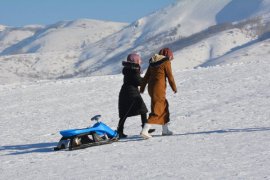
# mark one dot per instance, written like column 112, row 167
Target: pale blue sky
column 25, row 12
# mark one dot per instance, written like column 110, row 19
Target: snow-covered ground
column 220, row 117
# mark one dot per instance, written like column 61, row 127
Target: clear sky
column 25, row 12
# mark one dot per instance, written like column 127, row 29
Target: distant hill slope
column 177, row 26
column 65, row 36
column 10, row 36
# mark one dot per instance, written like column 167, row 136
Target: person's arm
column 136, row 78
column 145, row 80
column 168, row 71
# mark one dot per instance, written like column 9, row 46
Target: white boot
column 145, row 130
column 166, row 131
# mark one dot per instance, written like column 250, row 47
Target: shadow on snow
column 29, row 148
column 48, row 147
column 222, row 131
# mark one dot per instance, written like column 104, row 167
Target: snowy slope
column 36, row 66
column 219, row 48
column 251, row 53
column 10, row 36
column 220, row 117
column 49, row 52
column 216, row 50
column 174, row 26
column 210, row 48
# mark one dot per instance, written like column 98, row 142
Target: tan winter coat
column 158, row 71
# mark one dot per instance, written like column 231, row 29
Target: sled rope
column 122, row 119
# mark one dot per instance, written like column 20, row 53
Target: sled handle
column 96, row 117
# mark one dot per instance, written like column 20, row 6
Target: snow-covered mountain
column 198, row 31
column 65, row 36
column 50, row 51
column 10, row 36
column 179, row 25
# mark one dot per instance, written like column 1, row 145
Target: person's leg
column 165, row 128
column 144, row 120
column 166, row 131
column 120, row 128
column 145, row 131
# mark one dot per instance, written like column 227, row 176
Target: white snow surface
column 220, row 119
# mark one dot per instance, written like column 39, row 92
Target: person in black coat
column 130, row 101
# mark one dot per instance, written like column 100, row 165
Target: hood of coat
column 157, row 60
column 130, row 67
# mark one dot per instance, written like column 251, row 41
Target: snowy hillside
column 219, row 49
column 220, row 117
column 253, row 52
column 177, row 26
column 65, row 36
column 36, row 66
column 198, row 31
column 10, row 36
column 48, row 52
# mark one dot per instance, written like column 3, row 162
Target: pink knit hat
column 166, row 52
column 134, row 58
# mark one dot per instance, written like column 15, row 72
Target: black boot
column 144, row 119
column 121, row 134
column 120, row 129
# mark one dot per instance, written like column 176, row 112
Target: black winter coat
column 130, row 99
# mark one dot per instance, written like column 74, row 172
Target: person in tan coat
column 158, row 72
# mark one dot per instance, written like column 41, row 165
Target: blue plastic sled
column 98, row 134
